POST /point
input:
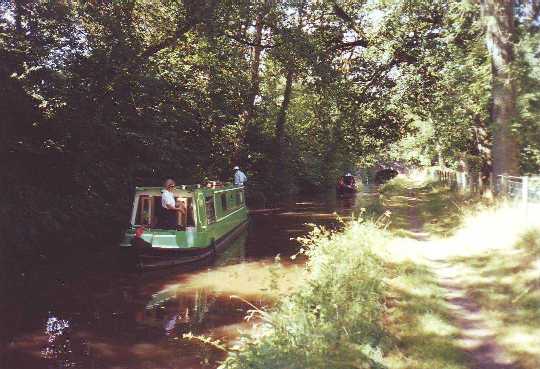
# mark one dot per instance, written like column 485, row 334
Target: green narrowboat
column 213, row 216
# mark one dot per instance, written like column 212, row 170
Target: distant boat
column 215, row 215
column 346, row 185
column 384, row 175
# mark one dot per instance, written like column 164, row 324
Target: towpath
column 476, row 338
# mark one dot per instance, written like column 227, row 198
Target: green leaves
column 334, row 321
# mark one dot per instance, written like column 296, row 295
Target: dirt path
column 415, row 223
column 476, row 338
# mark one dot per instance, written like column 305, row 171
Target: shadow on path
column 476, row 338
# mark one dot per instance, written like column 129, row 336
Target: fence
column 524, row 189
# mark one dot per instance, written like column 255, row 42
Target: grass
column 435, row 209
column 359, row 306
column 505, row 283
column 335, row 319
column 370, row 299
column 496, row 251
column 419, row 320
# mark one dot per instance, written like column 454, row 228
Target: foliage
column 335, row 320
column 99, row 97
column 528, row 126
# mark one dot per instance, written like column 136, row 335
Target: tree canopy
column 99, row 96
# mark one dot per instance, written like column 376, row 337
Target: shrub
column 334, row 321
column 396, row 184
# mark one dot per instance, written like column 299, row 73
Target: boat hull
column 146, row 257
column 345, row 190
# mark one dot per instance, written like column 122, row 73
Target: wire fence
column 525, row 189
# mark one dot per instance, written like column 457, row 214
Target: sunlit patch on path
column 477, row 270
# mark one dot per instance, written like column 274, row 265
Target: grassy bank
column 420, row 322
column 371, row 298
column 360, row 306
column 428, row 207
column 336, row 319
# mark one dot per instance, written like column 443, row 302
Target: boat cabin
column 201, row 206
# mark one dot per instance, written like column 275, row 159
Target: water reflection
column 117, row 320
column 55, row 328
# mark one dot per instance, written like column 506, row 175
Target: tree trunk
column 282, row 115
column 255, row 66
column 248, row 114
column 440, row 160
column 280, row 169
column 18, row 15
column 499, row 18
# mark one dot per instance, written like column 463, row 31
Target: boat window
column 224, row 201
column 158, row 212
column 186, row 218
column 144, row 211
column 210, row 211
column 190, row 216
column 239, row 197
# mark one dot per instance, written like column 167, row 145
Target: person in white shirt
column 239, row 177
column 170, row 206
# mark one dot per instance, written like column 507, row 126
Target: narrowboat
column 346, row 185
column 212, row 217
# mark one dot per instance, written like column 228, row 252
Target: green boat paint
column 215, row 215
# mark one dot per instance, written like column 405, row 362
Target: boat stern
column 161, row 239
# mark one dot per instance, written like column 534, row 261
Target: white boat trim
column 229, row 189
column 228, row 215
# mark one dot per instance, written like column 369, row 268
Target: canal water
column 118, row 320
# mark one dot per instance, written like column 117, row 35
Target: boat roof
column 211, row 187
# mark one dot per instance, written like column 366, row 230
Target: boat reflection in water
column 181, row 307
column 215, row 299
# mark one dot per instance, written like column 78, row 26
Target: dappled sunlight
column 485, row 293
column 265, row 279
column 412, row 289
column 493, row 228
column 496, row 253
column 401, row 249
column 522, row 338
column 418, row 317
column 433, row 324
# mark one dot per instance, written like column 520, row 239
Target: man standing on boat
column 239, row 177
column 168, row 202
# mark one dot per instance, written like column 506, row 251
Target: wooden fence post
column 524, row 191
column 504, row 189
column 463, row 182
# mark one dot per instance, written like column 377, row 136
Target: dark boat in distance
column 346, row 185
column 384, row 175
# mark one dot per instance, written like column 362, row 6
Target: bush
column 334, row 321
column 396, row 184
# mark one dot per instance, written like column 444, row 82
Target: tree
column 500, row 34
